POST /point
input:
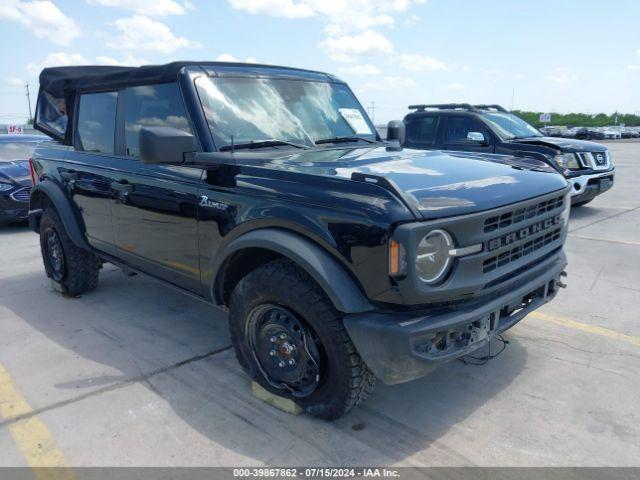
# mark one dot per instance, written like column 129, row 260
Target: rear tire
column 73, row 269
column 281, row 301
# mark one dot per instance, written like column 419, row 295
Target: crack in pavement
column 606, row 240
column 603, row 219
column 116, row 386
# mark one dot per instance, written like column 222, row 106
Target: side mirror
column 477, row 137
column 165, row 145
column 395, row 131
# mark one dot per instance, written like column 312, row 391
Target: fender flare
column 332, row 277
column 62, row 204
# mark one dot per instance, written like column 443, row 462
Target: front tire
column 73, row 269
column 289, row 338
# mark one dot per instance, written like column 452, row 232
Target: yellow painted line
column 594, row 329
column 31, row 435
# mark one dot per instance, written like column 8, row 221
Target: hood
column 436, row 183
column 16, row 171
column 568, row 145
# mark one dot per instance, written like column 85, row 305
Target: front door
column 467, row 134
column 155, row 206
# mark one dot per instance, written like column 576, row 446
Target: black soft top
column 59, row 85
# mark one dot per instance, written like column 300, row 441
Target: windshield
column 16, row 150
column 245, row 110
column 510, row 126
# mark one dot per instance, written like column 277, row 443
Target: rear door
column 461, row 132
column 422, row 131
column 87, row 169
column 155, row 206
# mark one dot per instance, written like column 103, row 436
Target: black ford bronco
column 587, row 166
column 266, row 191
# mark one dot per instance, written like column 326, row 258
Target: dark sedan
column 15, row 180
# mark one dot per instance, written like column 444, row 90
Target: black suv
column 266, row 191
column 492, row 129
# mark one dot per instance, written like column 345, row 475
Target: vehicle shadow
column 137, row 330
column 584, row 212
column 13, row 228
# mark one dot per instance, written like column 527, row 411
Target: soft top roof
column 58, row 85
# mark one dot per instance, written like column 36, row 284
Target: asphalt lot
column 137, row 374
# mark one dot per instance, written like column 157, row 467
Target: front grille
column 507, row 219
column 22, row 195
column 521, row 250
column 595, row 160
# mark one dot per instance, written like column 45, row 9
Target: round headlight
column 433, row 258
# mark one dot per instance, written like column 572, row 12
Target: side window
column 151, row 106
column 423, row 130
column 458, row 129
column 96, row 122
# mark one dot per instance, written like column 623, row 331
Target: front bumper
column 587, row 187
column 399, row 347
column 12, row 211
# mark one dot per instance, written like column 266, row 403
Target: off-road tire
column 81, row 267
column 348, row 380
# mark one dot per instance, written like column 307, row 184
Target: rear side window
column 96, row 122
column 423, row 130
column 152, row 106
column 459, row 127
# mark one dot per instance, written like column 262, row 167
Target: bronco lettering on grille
column 523, row 233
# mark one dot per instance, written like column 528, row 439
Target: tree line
column 581, row 119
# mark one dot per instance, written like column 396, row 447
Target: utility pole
column 371, row 110
column 26, row 86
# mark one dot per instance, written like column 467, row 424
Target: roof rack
column 456, row 106
column 491, row 107
column 443, row 106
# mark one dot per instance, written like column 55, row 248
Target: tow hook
column 560, row 283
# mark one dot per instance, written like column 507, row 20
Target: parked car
column 15, row 182
column 611, row 134
column 266, row 191
column 492, row 129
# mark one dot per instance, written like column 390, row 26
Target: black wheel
column 74, row 269
column 580, row 204
column 289, row 338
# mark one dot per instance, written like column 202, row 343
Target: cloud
column 416, row 62
column 638, row 52
column 274, row 8
column 42, row 18
column 128, row 61
column 14, row 81
column 151, row 8
column 143, row 33
column 455, row 87
column 391, row 83
column 562, row 75
column 633, row 68
column 57, row 59
column 348, row 48
column 349, row 23
column 412, row 20
column 62, row 59
column 227, row 57
column 366, row 69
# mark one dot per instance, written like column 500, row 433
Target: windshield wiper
column 272, row 142
column 344, row 139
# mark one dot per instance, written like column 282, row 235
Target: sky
column 543, row 55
